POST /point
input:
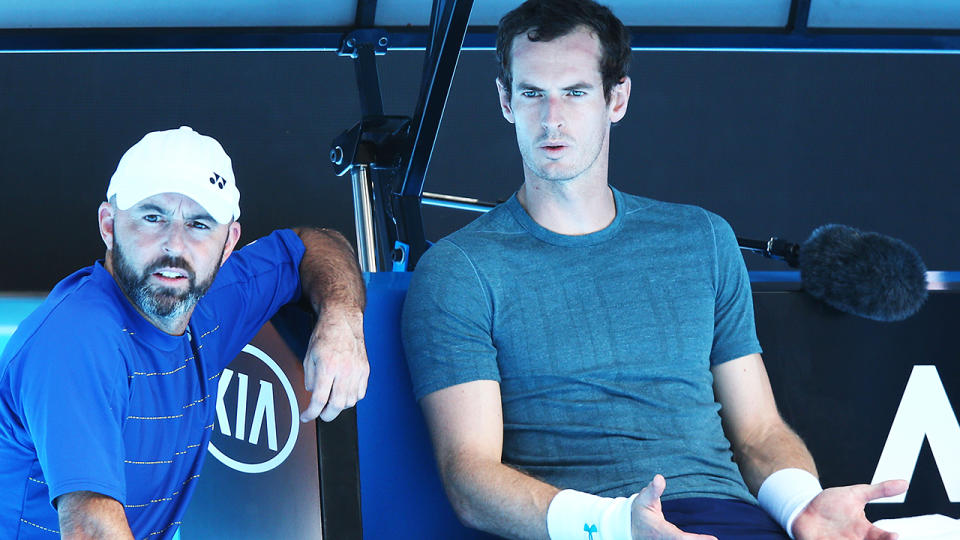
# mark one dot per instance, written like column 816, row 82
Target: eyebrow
column 582, row 85
column 153, row 208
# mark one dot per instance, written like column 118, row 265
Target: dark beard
column 158, row 302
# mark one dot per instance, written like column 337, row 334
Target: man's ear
column 106, row 215
column 233, row 236
column 505, row 107
column 619, row 98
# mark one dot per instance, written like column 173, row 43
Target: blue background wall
column 776, row 143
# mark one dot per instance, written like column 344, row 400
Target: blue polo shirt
column 93, row 397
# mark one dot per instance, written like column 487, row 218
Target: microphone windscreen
column 865, row 274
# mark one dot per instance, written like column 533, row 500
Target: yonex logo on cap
column 177, row 161
column 218, row 180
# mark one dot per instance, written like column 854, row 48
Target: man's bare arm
column 335, row 367
column 763, row 444
column 466, row 425
column 88, row 515
column 329, row 273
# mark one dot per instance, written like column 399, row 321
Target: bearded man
column 108, row 389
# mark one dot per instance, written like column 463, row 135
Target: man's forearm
column 87, row 515
column 495, row 498
column 329, row 273
column 777, row 448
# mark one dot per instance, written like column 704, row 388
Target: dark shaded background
column 776, row 143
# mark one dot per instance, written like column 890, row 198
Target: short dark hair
column 545, row 20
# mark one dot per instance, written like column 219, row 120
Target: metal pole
column 363, row 217
column 459, row 203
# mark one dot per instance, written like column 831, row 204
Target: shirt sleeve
column 447, row 322
column 255, row 282
column 73, row 395
column 734, row 334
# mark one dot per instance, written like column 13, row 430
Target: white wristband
column 785, row 493
column 574, row 515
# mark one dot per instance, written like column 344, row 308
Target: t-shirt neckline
column 546, row 235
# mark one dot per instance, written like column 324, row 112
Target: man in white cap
column 107, row 390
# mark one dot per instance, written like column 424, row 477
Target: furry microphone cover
column 866, row 274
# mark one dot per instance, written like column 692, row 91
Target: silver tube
column 459, row 203
column 363, row 218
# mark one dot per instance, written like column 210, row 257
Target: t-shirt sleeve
column 73, row 399
column 447, row 322
column 254, row 283
column 734, row 333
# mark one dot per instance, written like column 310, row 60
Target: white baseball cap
column 178, row 161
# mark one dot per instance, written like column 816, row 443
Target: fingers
column 650, row 495
column 888, row 488
column 876, row 533
column 320, row 396
column 342, row 397
column 334, row 394
column 336, row 367
column 309, row 371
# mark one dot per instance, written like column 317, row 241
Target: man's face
column 166, row 251
column 557, row 105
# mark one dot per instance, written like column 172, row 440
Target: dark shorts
column 727, row 519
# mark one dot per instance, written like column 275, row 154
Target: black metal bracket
column 773, row 248
column 377, row 141
column 398, row 149
column 376, row 38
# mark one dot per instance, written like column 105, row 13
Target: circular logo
column 255, row 402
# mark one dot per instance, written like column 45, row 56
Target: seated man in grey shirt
column 586, row 360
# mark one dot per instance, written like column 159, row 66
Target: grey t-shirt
column 602, row 343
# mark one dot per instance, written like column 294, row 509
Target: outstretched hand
column 335, row 368
column 837, row 513
column 646, row 516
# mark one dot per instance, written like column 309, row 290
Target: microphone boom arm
column 774, row 248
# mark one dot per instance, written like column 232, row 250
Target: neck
column 572, row 208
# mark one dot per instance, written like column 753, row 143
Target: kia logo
column 257, row 414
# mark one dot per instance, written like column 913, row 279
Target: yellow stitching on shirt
column 154, row 417
column 162, row 373
column 197, row 402
column 39, row 526
column 37, row 481
column 174, row 494
column 187, row 449
column 180, row 453
column 189, row 479
column 215, row 376
column 211, row 331
column 127, row 331
column 161, row 531
column 185, row 360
